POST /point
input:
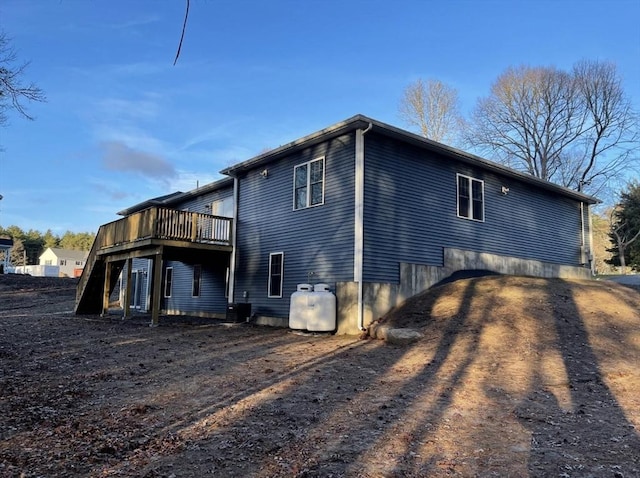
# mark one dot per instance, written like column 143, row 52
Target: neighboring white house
column 70, row 262
column 6, row 244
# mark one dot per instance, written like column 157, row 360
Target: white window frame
column 271, row 256
column 196, row 293
column 308, row 186
column 167, row 293
column 470, row 181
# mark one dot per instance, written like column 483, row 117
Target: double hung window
column 197, row 275
column 470, row 198
column 276, row 269
column 308, row 184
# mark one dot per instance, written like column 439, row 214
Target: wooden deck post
column 126, row 307
column 105, row 288
column 156, row 288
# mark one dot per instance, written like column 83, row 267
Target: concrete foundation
column 379, row 298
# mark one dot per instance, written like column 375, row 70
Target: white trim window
column 470, row 198
column 308, row 184
column 168, row 281
column 197, row 278
column 276, row 274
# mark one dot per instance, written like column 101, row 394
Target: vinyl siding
column 411, row 213
column 212, row 289
column 318, row 239
column 213, row 278
column 198, row 203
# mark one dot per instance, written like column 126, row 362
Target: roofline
column 361, row 122
column 337, row 129
column 68, row 253
column 172, row 198
column 207, row 188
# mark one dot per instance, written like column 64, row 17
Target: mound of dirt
column 514, row 377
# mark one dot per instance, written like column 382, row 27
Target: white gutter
column 234, row 235
column 358, row 245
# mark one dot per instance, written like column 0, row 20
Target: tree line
column 28, row 246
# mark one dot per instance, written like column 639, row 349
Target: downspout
column 358, row 249
column 234, row 235
column 587, row 242
column 583, row 245
column 592, row 257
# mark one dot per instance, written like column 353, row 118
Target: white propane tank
column 322, row 313
column 299, row 307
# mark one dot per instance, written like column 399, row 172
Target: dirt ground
column 514, row 377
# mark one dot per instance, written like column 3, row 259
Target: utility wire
column 184, row 27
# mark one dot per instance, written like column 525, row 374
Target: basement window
column 276, row 270
column 470, row 198
column 308, row 184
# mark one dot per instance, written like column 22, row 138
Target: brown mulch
column 514, row 377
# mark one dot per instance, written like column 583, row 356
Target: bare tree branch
column 433, row 108
column 12, row 92
column 574, row 128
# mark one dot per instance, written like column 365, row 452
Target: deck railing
column 171, row 224
column 157, row 223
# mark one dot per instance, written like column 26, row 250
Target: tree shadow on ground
column 330, row 416
column 591, row 436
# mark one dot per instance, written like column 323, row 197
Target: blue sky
column 123, row 124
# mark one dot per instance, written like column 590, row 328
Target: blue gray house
column 376, row 212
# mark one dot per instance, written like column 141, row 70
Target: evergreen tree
column 32, row 244
column 50, row 240
column 625, row 229
column 17, row 253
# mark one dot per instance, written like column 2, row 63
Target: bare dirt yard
column 514, row 377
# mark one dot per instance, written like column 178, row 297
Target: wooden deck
column 167, row 225
column 154, row 232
